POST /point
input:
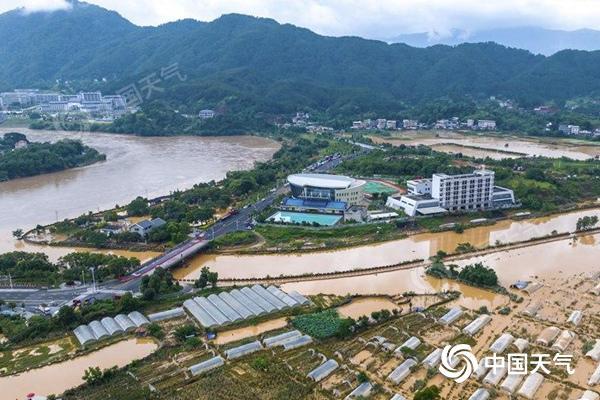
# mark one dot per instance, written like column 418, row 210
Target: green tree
column 138, row 207
column 429, row 393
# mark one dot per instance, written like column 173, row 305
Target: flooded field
column 420, row 246
column 554, row 259
column 365, row 306
column 474, row 152
column 56, row 378
column 250, row 331
column 147, row 166
column 555, row 148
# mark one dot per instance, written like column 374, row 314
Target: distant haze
column 536, row 40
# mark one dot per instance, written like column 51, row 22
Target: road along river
column 146, row 166
column 420, row 246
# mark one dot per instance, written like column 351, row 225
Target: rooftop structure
column 143, row 228
column 327, row 187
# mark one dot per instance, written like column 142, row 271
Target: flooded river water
column 56, row 378
column 420, row 246
column 147, row 166
column 452, row 142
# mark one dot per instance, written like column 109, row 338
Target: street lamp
column 93, row 280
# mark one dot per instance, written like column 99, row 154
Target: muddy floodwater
column 56, row 378
column 366, row 305
column 234, row 335
column 146, row 166
column 420, row 246
column 495, row 144
column 560, row 258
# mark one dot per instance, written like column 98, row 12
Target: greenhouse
column 111, row 326
column 297, row 342
column 547, row 336
column 363, row 390
column 270, row 297
column 98, row 330
column 511, row 383
column 596, row 290
column 240, row 304
column 229, row 312
column 480, row 394
column 243, row 350
column 398, row 397
column 531, row 385
column 502, row 343
column 138, row 319
column 532, row 309
column 495, row 376
column 402, row 371
column 323, row 370
column 521, row 344
column 84, row 334
column 411, row 343
column 589, row 395
column 481, row 370
column 595, row 378
column 207, row 365
column 173, row 313
column 564, row 340
column 211, row 310
column 477, row 324
column 242, row 310
column 125, row 322
column 451, row 316
column 256, row 298
column 575, row 317
column 433, row 359
column 199, row 314
column 298, row 297
column 243, row 299
column 281, row 295
column 278, row 340
column 594, row 353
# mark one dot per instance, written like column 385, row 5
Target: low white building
column 413, row 205
column 206, row 114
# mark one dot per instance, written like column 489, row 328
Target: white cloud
column 375, row 18
column 30, row 6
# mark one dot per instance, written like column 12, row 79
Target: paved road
column 237, row 222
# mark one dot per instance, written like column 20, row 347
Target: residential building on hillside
column 143, row 228
column 206, row 114
column 486, row 124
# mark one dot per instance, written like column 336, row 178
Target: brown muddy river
column 147, row 166
column 56, row 378
column 420, row 246
column 451, row 142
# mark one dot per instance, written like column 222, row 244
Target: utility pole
column 10, row 281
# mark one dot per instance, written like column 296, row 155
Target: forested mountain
column 534, row 39
column 244, row 63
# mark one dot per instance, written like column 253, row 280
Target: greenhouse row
column 595, row 378
column 589, row 395
column 168, row 314
column 433, row 359
column 451, row 316
column 363, row 390
column 594, row 353
column 243, row 350
column 207, row 365
column 575, row 317
column 480, row 394
column 398, row 397
column 107, row 326
column 323, row 370
column 502, row 343
column 240, row 304
column 477, row 324
column 402, row 371
column 411, row 343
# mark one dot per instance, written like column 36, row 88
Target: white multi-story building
column 464, row 192
column 381, row 123
column 391, row 124
column 454, row 193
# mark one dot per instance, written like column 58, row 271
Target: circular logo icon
column 458, row 362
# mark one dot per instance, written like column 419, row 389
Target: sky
column 371, row 19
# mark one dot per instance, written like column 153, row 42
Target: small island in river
column 20, row 158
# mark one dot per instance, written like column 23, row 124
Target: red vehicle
column 229, row 213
